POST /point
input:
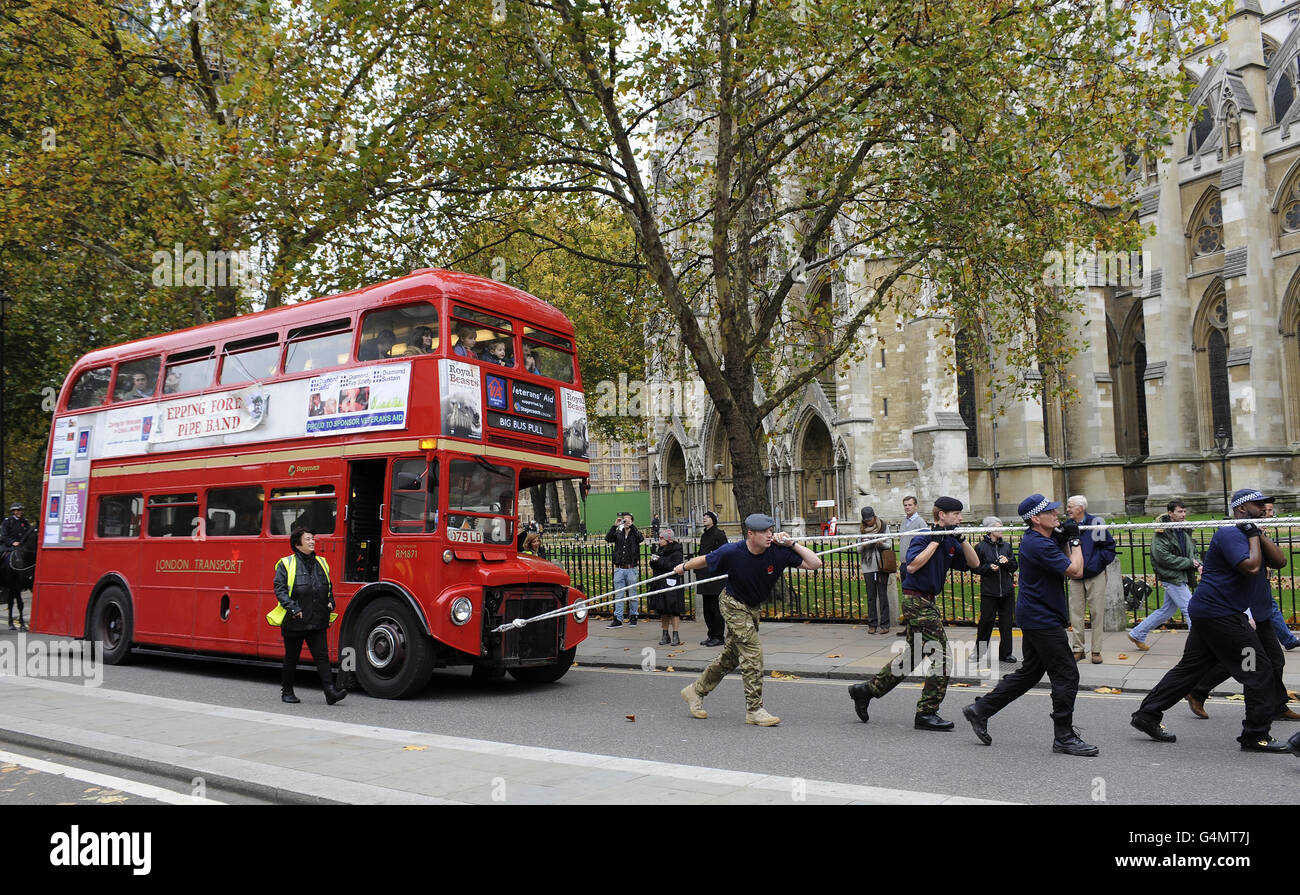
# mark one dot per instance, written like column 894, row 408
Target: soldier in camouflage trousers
column 752, row 566
column 930, row 555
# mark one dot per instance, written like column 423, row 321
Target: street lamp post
column 1223, row 444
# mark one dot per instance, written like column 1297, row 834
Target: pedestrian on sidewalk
column 711, row 539
column 1234, row 578
column 1173, row 559
column 1098, row 552
column 752, row 566
column 912, row 521
column 669, row 604
column 997, row 572
column 1047, row 558
column 929, row 557
column 626, row 538
column 302, row 585
column 874, row 574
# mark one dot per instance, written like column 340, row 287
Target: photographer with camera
column 626, row 538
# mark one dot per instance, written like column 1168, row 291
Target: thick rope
column 885, row 538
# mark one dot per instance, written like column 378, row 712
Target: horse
column 17, row 574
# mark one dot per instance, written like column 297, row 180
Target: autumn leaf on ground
column 1240, row 697
column 834, row 656
column 1122, row 656
column 630, row 717
column 669, row 668
column 782, row 676
column 415, row 748
column 1107, row 690
column 959, row 684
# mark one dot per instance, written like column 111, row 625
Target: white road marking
column 135, row 788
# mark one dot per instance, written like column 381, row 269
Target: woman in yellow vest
column 302, row 585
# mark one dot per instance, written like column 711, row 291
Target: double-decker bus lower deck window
column 119, row 516
column 415, row 496
column 235, row 511
column 486, row 491
column 173, row 515
column 90, row 389
column 313, row 507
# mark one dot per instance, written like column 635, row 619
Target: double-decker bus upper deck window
column 119, row 516
column 90, row 389
column 399, row 332
column 189, row 371
column 235, row 511
column 488, row 492
column 312, row 506
column 173, row 515
column 318, row 346
column 250, row 359
column 482, row 337
column 548, row 355
column 137, row 379
column 415, row 496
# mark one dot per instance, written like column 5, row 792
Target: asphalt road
column 819, row 737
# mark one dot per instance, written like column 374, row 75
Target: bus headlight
column 461, row 610
column 580, row 611
column 447, row 556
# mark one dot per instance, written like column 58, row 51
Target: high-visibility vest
column 276, row 616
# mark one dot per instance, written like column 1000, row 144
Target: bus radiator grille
column 538, row 642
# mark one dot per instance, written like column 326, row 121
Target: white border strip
column 134, row 787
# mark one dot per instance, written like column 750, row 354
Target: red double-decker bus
column 398, row 422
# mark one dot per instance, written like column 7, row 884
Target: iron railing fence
column 837, row 592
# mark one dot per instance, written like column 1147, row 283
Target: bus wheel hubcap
column 112, row 626
column 386, row 646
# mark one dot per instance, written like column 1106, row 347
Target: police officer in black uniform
column 13, row 529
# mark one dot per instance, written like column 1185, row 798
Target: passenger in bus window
column 468, row 339
column 496, row 354
column 140, row 387
column 378, row 347
column 172, row 384
column 421, row 341
column 530, row 362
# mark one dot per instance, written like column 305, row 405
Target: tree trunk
column 572, row 516
column 553, row 500
column 748, row 482
column 537, row 494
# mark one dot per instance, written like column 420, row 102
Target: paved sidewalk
column 808, row 649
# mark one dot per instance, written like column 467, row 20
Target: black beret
column 948, row 504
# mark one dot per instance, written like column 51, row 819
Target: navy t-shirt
column 749, row 577
column 929, row 579
column 1042, row 604
column 1223, row 590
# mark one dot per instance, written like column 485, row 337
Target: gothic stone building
column 1200, row 341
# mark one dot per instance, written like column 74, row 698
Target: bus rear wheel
column 112, row 623
column 394, row 657
column 546, row 674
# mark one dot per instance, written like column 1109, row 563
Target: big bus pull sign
column 398, row 422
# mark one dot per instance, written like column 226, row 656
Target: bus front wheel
column 112, row 624
column 546, row 674
column 394, row 657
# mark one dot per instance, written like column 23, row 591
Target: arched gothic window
column 966, row 397
column 1283, row 96
column 1207, row 231
column 1289, row 206
column 1212, row 343
column 1201, row 130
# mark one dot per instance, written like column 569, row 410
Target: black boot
column 334, row 694
column 677, row 640
column 1067, row 742
column 979, row 724
column 861, row 695
column 931, row 721
column 286, row 695
column 663, row 638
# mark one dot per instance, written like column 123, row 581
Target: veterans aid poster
column 365, row 400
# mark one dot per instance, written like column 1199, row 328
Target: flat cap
column 759, row 522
